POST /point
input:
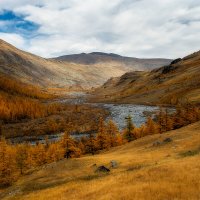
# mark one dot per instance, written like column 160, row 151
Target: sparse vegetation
column 190, row 153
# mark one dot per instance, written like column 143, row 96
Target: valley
column 60, row 75
column 99, row 100
column 61, row 119
column 115, row 112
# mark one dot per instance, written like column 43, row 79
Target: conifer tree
column 161, row 121
column 128, row 134
column 8, row 166
column 91, row 144
column 113, row 133
column 69, row 146
column 40, row 154
column 55, row 153
column 102, row 136
column 151, row 127
column 22, row 156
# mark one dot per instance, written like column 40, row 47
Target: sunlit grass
column 144, row 172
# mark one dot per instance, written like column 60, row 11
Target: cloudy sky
column 138, row 28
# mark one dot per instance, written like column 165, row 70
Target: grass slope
column 167, row 171
column 172, row 84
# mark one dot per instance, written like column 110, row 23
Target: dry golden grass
column 179, row 85
column 145, row 172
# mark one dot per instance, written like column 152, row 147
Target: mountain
column 110, row 59
column 176, row 83
column 59, row 73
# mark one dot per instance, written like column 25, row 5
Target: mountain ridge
column 98, row 57
column 54, row 73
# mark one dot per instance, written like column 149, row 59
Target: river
column 118, row 113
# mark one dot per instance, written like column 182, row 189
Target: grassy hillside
column 176, row 83
column 148, row 169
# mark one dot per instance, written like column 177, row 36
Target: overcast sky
column 137, row 28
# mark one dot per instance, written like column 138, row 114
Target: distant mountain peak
column 105, row 54
column 130, row 63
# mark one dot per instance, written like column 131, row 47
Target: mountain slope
column 178, row 82
column 145, row 171
column 55, row 73
column 102, row 59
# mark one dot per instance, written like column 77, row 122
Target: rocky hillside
column 178, row 82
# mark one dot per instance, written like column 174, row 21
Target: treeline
column 14, row 87
column 18, row 159
column 164, row 121
column 19, row 101
column 14, row 108
column 60, row 117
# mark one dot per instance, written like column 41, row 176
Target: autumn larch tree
column 91, row 144
column 128, row 133
column 151, row 127
column 69, row 146
column 113, row 134
column 22, row 156
column 8, row 166
column 102, row 136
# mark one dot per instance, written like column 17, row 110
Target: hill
column 110, row 59
column 178, row 82
column 53, row 73
column 168, row 170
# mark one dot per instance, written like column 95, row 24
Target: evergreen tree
column 129, row 131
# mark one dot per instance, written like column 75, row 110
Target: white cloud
column 141, row 28
column 14, row 39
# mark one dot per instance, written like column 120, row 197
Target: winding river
column 118, row 113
